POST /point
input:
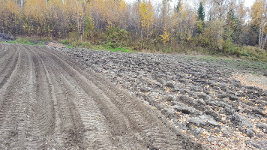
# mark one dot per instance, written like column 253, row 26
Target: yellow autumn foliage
column 146, row 22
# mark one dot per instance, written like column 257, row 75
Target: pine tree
column 200, row 18
column 231, row 20
column 233, row 24
column 201, row 13
column 178, row 6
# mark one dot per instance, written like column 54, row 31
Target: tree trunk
column 264, row 42
column 141, row 37
column 21, row 3
column 260, row 35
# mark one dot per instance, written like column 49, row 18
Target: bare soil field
column 48, row 101
column 219, row 103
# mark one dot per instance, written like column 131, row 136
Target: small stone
column 203, row 96
column 233, row 98
column 226, row 132
column 186, row 99
column 216, row 116
column 182, row 80
column 261, row 126
column 213, row 123
column 222, row 111
column 196, row 131
column 169, row 98
column 237, row 119
column 145, row 89
column 197, row 122
column 257, row 111
column 247, row 124
column 185, row 109
column 201, row 102
column 163, row 82
column 222, row 96
column 180, row 125
column 259, row 135
column 250, row 133
column 169, row 84
column 241, row 129
column 170, row 113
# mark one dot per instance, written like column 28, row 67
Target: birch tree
column 259, row 19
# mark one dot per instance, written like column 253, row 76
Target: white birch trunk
column 141, row 37
column 21, row 3
column 264, row 42
column 260, row 35
column 262, row 39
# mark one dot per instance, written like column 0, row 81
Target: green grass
column 122, row 49
column 210, row 58
column 23, row 41
column 68, row 46
column 80, row 44
column 248, row 53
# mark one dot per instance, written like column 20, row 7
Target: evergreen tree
column 178, row 6
column 201, row 13
column 233, row 24
column 231, row 20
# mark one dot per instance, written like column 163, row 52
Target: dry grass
column 252, row 80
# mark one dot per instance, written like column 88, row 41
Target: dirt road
column 48, row 101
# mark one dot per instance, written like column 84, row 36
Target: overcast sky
column 248, row 3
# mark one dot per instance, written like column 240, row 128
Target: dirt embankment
column 48, row 101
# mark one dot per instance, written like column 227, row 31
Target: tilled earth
column 48, row 101
column 200, row 97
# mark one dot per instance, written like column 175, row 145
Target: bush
column 116, row 38
column 66, row 42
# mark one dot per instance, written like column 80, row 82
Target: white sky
column 248, row 3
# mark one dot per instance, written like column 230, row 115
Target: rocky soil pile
column 199, row 96
column 6, row 37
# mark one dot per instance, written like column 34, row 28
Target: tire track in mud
column 12, row 107
column 138, row 118
column 48, row 101
column 78, row 101
column 66, row 117
column 3, row 51
column 42, row 107
column 8, row 66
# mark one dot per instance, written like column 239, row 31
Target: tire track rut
column 48, row 101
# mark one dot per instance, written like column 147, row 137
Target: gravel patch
column 199, row 96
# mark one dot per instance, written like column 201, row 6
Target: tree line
column 220, row 25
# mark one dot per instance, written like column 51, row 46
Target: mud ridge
column 200, row 97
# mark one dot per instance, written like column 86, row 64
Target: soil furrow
column 199, row 96
column 3, row 51
column 103, row 101
column 50, row 119
column 98, row 140
column 13, row 106
column 49, row 101
column 9, row 65
column 70, row 123
column 141, row 121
